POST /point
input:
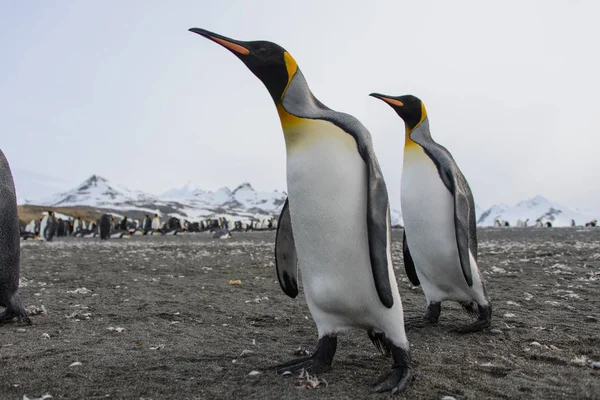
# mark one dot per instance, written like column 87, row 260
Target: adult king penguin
column 332, row 176
column 440, row 235
column 10, row 249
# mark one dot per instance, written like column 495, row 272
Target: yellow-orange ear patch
column 231, row 46
column 291, row 66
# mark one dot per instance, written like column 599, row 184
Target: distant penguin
column 123, row 224
column 105, row 224
column 332, row 175
column 156, row 222
column 32, row 226
column 48, row 226
column 146, row 224
column 548, row 224
column 573, row 224
column 591, row 224
column 77, row 225
column 440, row 234
column 222, row 234
column 10, row 249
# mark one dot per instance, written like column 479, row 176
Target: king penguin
column 332, row 176
column 10, row 249
column 440, row 235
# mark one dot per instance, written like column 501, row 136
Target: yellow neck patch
column 291, row 66
column 408, row 142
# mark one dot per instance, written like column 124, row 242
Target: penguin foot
column 319, row 361
column 9, row 316
column 484, row 320
column 432, row 314
column 399, row 377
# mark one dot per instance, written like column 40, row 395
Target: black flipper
column 378, row 225
column 409, row 265
column 286, row 260
column 462, row 218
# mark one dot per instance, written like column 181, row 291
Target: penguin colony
column 110, row 227
column 332, row 175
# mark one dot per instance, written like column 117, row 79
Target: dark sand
column 189, row 334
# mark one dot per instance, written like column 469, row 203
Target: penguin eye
column 263, row 50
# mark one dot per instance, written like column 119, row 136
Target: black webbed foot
column 483, row 321
column 401, row 374
column 317, row 362
column 432, row 314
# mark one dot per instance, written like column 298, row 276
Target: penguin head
column 271, row 63
column 410, row 108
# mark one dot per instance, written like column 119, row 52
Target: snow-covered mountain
column 536, row 208
column 246, row 204
column 194, row 204
column 98, row 192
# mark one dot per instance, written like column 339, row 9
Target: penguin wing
column 462, row 218
column 409, row 265
column 286, row 260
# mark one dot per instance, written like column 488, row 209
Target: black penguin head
column 271, row 63
column 410, row 108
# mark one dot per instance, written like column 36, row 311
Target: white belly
column 327, row 186
column 428, row 211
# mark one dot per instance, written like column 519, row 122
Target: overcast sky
column 123, row 90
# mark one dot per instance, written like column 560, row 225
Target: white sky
column 123, row 90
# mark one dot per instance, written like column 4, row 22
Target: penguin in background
column 332, row 175
column 146, row 224
column 48, row 226
column 156, row 223
column 10, row 248
column 104, row 223
column 440, row 235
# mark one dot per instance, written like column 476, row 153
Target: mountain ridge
column 245, row 203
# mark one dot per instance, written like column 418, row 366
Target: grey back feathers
column 465, row 223
column 10, row 251
column 299, row 101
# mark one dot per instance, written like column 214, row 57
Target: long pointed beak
column 387, row 99
column 233, row 45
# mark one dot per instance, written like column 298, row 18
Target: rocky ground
column 191, row 317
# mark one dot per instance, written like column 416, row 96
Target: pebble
column 590, row 318
column 448, row 398
column 286, row 373
column 537, row 344
column 21, row 330
column 75, row 364
column 495, row 331
column 509, row 315
column 254, row 373
column 45, row 336
column 596, row 365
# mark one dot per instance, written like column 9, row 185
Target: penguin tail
column 14, row 309
column 471, row 309
column 381, row 342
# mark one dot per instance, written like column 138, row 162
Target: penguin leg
column 401, row 374
column 317, row 362
column 484, row 319
column 432, row 314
